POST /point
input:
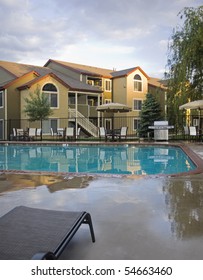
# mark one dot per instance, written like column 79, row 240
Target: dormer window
column 137, row 83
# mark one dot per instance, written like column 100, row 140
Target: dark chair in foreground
column 31, row 233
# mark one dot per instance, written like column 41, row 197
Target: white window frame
column 108, row 85
column 137, row 83
column 137, row 100
column 106, row 101
column 49, row 93
column 137, row 120
column 1, row 99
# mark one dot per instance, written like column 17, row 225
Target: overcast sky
column 104, row 33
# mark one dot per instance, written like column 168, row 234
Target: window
column 136, row 124
column 108, row 85
column 48, row 124
column 137, row 104
column 51, row 92
column 1, row 99
column 106, row 101
column 137, row 83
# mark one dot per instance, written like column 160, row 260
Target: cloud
column 116, row 32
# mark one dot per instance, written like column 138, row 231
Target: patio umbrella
column 113, row 108
column 197, row 104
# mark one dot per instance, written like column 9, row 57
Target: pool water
column 120, row 159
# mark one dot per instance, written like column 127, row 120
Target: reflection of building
column 74, row 91
column 184, row 199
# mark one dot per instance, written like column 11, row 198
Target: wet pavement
column 133, row 217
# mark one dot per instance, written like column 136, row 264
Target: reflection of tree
column 184, row 199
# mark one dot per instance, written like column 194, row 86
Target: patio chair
column 19, row 133
column 53, row 133
column 31, row 133
column 14, row 134
column 102, row 133
column 123, row 133
column 78, row 132
column 31, row 233
column 38, row 132
column 193, row 132
column 69, row 132
column 186, row 131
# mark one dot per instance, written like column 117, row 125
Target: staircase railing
column 83, row 122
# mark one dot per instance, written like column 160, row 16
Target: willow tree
column 185, row 62
column 37, row 107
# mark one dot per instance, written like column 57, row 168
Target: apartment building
column 74, row 92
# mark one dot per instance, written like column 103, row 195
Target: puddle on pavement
column 14, row 182
column 171, row 207
column 184, row 200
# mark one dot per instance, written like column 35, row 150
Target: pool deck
column 135, row 218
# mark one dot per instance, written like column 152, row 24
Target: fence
column 89, row 127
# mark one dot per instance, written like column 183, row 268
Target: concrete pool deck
column 143, row 217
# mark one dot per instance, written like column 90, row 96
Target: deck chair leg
column 88, row 220
column 44, row 256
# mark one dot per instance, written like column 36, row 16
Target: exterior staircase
column 83, row 122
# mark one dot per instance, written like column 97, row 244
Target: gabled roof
column 9, row 83
column 68, row 82
column 83, row 69
column 19, row 70
column 95, row 71
column 126, row 72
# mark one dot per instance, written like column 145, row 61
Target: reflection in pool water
column 120, row 159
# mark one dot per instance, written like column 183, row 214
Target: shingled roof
column 83, row 69
column 18, row 70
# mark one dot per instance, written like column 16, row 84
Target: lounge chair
column 31, row 233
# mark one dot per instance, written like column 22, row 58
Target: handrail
column 84, row 122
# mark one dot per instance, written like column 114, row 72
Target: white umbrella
column 197, row 104
column 113, row 108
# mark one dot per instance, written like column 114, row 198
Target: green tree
column 150, row 112
column 37, row 107
column 185, row 62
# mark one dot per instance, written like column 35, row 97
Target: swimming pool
column 103, row 159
